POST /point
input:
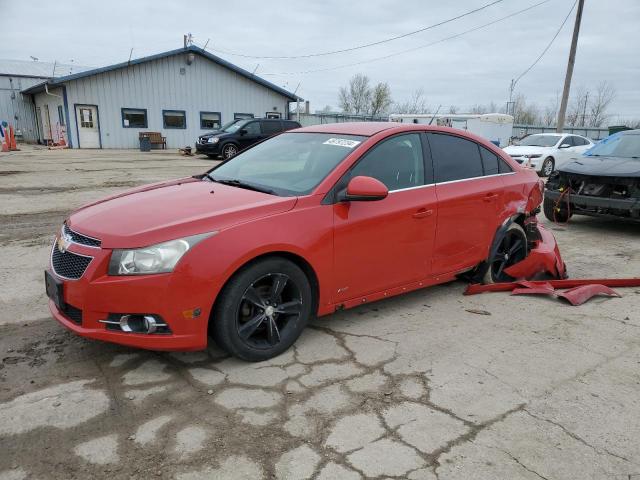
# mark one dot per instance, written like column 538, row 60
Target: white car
column 545, row 152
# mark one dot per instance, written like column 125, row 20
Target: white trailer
column 495, row 127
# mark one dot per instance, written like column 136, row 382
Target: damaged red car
column 306, row 223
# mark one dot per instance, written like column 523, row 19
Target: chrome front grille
column 67, row 264
column 79, row 238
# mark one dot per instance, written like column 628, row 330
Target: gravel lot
column 412, row 387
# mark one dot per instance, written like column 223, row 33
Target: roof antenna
column 255, row 69
column 53, row 74
column 130, row 53
column 205, row 45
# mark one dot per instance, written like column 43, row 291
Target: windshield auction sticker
column 342, row 142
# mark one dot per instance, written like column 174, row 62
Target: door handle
column 490, row 197
column 422, row 213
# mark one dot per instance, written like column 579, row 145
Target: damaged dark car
column 603, row 182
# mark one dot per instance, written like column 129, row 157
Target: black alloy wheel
column 270, row 305
column 511, row 250
column 262, row 309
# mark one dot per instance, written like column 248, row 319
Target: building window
column 134, row 118
column 174, row 119
column 210, row 120
column 60, row 116
column 242, row 116
column 272, row 115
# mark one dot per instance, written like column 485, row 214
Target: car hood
column 164, row 211
column 603, row 166
column 214, row 134
column 525, row 150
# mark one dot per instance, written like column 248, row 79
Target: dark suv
column 240, row 134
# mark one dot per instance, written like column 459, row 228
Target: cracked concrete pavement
column 412, row 387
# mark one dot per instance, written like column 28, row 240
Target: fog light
column 136, row 323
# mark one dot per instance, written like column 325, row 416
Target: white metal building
column 182, row 93
column 17, row 108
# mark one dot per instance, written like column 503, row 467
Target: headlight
column 213, row 140
column 160, row 258
column 536, row 155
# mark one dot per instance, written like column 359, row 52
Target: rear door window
column 271, row 127
column 490, row 162
column 454, row 158
column 252, row 128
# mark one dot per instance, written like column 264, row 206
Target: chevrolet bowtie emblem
column 63, row 243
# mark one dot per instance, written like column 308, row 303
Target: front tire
column 230, row 150
column 511, row 250
column 547, row 167
column 262, row 310
column 559, row 214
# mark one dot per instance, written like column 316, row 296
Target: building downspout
column 66, row 115
column 46, row 89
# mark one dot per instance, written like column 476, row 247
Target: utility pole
column 572, row 60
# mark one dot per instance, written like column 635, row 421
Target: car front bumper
column 181, row 301
column 599, row 206
column 208, row 148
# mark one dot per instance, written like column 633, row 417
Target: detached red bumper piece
column 575, row 296
column 544, row 258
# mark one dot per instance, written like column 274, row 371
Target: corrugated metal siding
column 158, row 85
column 20, row 106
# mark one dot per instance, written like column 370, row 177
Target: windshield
column 290, row 164
column 234, row 126
column 617, row 145
column 539, row 141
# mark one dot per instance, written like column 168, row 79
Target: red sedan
column 308, row 222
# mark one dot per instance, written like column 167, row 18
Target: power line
column 548, row 45
column 401, row 52
column 358, row 47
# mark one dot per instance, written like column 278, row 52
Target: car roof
column 366, row 129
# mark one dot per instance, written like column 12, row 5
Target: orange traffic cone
column 12, row 140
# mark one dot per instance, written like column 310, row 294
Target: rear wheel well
column 293, row 258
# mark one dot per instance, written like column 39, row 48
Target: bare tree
column 524, row 113
column 453, row 109
column 493, row 107
column 380, row 99
column 416, row 104
column 356, row 97
column 577, row 110
column 478, row 109
column 604, row 95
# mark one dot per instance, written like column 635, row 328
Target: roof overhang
column 191, row 49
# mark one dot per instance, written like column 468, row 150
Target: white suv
column 545, row 152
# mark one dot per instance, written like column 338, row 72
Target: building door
column 46, row 124
column 39, row 124
column 88, row 126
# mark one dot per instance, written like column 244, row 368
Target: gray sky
column 475, row 68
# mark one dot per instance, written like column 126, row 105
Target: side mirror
column 243, row 131
column 564, row 145
column 364, row 189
